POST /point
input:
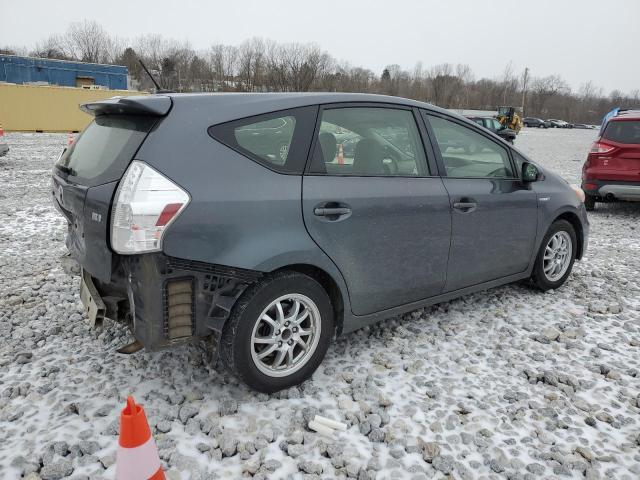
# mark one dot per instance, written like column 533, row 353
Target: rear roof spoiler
column 154, row 105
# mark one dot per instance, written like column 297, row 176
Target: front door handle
column 331, row 211
column 465, row 207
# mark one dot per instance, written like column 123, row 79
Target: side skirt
column 354, row 322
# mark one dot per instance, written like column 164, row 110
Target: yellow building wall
column 30, row 108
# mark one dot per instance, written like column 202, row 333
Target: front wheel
column 556, row 256
column 278, row 332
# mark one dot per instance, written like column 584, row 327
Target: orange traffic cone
column 137, row 456
column 340, row 154
column 70, row 138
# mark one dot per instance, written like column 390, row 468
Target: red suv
column 612, row 169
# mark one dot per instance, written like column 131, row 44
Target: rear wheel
column 590, row 203
column 278, row 332
column 556, row 256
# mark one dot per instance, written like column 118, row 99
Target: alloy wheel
column 286, row 335
column 557, row 256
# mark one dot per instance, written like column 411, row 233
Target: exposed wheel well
column 573, row 219
column 330, row 286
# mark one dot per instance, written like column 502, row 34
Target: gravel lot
column 509, row 383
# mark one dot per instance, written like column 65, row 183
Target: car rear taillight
column 600, row 147
column 145, row 204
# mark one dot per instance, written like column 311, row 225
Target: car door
column 380, row 215
column 494, row 214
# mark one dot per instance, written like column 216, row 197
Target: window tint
column 368, row 141
column 269, row 140
column 105, row 147
column 278, row 140
column 626, row 131
column 466, row 153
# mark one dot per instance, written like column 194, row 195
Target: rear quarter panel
column 241, row 214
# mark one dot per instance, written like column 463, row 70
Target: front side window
column 368, row 141
column 277, row 140
column 469, row 154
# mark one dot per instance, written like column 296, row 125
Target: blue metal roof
column 14, row 69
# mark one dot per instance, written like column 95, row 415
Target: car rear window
column 625, row 131
column 104, row 149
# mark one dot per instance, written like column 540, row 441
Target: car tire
column 544, row 275
column 243, row 335
column 589, row 203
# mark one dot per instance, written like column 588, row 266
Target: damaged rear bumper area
column 165, row 300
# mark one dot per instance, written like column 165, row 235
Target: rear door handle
column 329, row 211
column 465, row 207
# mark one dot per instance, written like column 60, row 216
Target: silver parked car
column 245, row 218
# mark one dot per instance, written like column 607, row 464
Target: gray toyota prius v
column 277, row 222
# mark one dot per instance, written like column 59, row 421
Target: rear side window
column 279, row 140
column 104, row 149
column 368, row 141
column 625, row 131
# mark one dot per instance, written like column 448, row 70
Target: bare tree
column 445, row 86
column 223, row 60
column 251, row 63
column 545, row 88
column 259, row 65
column 88, row 42
column 52, row 47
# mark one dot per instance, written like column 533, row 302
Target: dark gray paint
column 497, row 237
column 87, row 213
column 393, row 247
column 244, row 215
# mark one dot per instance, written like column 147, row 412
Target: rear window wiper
column 67, row 170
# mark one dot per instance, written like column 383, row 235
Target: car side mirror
column 530, row 172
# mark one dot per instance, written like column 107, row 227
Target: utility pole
column 525, row 79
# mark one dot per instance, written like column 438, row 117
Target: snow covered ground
column 509, row 383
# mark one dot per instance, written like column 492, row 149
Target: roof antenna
column 159, row 89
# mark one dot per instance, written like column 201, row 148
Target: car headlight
column 579, row 193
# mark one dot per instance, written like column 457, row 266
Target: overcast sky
column 578, row 39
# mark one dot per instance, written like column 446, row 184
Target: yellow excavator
column 510, row 118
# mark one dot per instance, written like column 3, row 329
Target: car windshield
column 626, row 131
column 496, row 124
